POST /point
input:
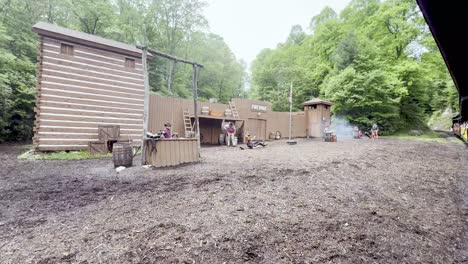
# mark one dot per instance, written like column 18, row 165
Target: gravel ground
column 354, row 201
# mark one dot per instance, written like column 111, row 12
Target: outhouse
column 317, row 112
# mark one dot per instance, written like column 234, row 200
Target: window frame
column 129, row 63
column 67, row 49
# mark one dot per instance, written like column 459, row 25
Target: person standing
column 375, row 131
column 230, row 133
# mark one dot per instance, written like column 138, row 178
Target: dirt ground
column 354, row 201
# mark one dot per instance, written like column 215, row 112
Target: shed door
column 257, row 128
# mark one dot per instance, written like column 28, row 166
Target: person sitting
column 251, row 143
column 167, row 132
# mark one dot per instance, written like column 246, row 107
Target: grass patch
column 62, row 155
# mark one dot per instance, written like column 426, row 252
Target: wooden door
column 257, row 128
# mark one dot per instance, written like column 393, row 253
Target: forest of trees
column 376, row 61
column 177, row 27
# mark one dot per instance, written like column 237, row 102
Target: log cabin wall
column 83, row 83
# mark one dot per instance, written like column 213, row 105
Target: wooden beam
column 195, row 103
column 146, row 108
column 170, row 57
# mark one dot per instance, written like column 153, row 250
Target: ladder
column 188, row 128
column 235, row 113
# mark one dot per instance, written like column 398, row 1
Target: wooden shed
column 83, row 81
column 317, row 115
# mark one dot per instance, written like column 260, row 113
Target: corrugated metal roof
column 316, row 101
column 45, row 28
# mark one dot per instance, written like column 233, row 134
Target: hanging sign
column 258, row 108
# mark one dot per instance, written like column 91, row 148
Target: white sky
column 248, row 26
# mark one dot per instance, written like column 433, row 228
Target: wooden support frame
column 146, row 98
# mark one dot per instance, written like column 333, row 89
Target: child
column 252, row 144
column 375, row 131
column 167, row 133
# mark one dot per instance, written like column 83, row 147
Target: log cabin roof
column 57, row 32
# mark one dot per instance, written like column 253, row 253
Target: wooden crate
column 108, row 132
column 97, row 147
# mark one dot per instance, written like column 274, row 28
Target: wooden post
column 144, row 61
column 290, row 111
column 195, row 107
column 290, row 141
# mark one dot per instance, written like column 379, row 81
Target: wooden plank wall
column 172, row 152
column 169, row 109
column 281, row 124
column 315, row 121
column 76, row 93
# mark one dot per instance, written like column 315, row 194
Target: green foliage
column 17, row 82
column 177, row 27
column 376, row 61
column 62, row 155
column 326, row 15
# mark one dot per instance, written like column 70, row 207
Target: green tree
column 377, row 62
column 177, row 27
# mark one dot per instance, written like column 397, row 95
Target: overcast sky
column 248, row 26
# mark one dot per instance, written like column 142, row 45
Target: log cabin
column 83, row 81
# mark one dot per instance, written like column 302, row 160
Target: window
column 66, row 49
column 130, row 63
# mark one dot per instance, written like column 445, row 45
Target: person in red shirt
column 230, row 132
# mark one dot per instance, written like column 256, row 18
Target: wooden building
column 85, row 80
column 317, row 112
column 255, row 118
column 170, row 110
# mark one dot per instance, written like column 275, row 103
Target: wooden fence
column 169, row 109
column 171, row 152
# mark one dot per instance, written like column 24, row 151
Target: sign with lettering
column 258, row 108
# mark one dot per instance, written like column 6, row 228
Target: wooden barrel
column 222, row 139
column 122, row 155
